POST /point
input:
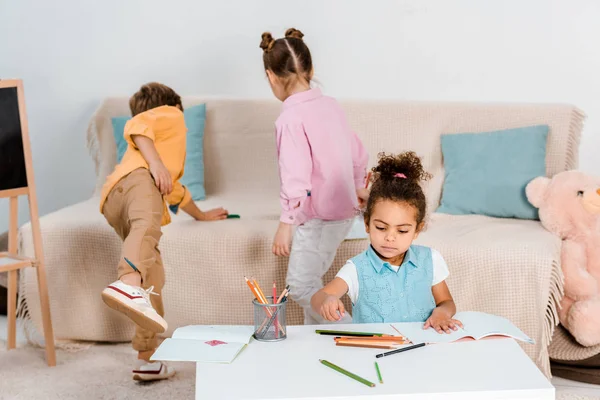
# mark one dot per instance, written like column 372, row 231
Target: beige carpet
column 99, row 372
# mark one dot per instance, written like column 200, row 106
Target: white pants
column 313, row 250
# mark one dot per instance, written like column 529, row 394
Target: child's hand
column 330, row 307
column 162, row 177
column 363, row 197
column 441, row 322
column 282, row 240
column 213, row 215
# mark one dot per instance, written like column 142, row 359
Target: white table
column 290, row 369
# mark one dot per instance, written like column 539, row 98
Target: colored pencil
column 388, row 344
column 394, row 328
column 274, row 302
column 252, row 289
column 267, row 323
column 365, row 345
column 393, row 339
column 344, row 333
column 347, row 373
column 273, row 318
column 378, row 372
column 260, row 300
column 389, row 353
column 262, row 295
column 283, row 294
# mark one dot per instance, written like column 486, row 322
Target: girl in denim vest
column 394, row 280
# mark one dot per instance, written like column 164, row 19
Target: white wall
column 72, row 53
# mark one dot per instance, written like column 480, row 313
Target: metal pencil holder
column 270, row 320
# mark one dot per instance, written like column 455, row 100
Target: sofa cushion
column 193, row 177
column 486, row 173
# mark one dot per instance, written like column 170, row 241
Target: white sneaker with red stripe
column 134, row 302
column 151, row 371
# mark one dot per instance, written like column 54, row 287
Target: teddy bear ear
column 536, row 189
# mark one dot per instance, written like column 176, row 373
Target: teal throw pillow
column 193, row 175
column 486, row 173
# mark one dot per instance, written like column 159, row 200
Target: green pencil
column 347, row 373
column 378, row 372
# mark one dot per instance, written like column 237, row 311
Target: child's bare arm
column 441, row 318
column 327, row 301
column 159, row 172
column 211, row 215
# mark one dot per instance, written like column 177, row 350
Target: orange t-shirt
column 165, row 125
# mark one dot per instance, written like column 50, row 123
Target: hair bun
column 406, row 165
column 267, row 41
column 294, row 33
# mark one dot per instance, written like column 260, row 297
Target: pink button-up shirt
column 321, row 160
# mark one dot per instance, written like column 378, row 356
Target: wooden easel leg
column 12, row 275
column 42, row 283
column 46, row 320
column 12, row 310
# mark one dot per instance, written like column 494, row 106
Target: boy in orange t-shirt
column 133, row 202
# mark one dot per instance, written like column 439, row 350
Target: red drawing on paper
column 214, row 342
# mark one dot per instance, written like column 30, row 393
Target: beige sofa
column 502, row 266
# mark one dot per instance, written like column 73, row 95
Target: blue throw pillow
column 486, row 173
column 193, row 175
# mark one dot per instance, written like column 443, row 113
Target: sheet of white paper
column 224, row 333
column 476, row 325
column 480, row 325
column 415, row 333
column 358, row 229
column 196, row 350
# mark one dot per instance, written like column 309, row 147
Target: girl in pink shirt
column 322, row 167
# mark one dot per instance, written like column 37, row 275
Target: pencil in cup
column 263, row 324
column 347, row 373
column 260, row 292
column 264, row 328
column 260, row 298
column 276, row 311
column 282, row 297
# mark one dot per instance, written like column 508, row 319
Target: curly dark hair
column 152, row 95
column 397, row 178
column 288, row 57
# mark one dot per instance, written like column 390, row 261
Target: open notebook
column 202, row 343
column 476, row 325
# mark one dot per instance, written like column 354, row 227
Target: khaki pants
column 134, row 208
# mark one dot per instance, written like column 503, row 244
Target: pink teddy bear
column 569, row 206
